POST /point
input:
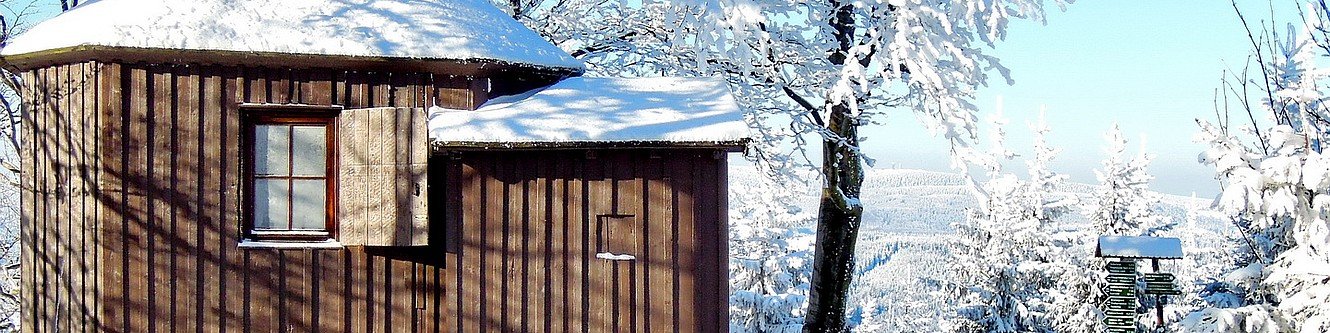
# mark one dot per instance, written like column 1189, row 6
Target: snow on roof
column 1139, row 247
column 445, row 29
column 580, row 109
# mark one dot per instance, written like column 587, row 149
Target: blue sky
column 1150, row 66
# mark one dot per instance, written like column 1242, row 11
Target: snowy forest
column 825, row 239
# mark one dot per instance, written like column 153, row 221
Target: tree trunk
column 839, row 217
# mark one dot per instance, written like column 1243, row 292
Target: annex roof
column 461, row 30
column 581, row 110
column 1139, row 247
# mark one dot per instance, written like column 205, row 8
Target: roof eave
column 120, row 54
column 725, row 145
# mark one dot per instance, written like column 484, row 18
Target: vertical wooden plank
column 80, row 189
column 556, row 244
column 88, row 105
column 54, row 187
column 358, row 288
column 578, row 252
column 74, row 199
column 402, row 92
column 602, row 282
column 84, row 126
column 403, row 179
column 112, row 132
column 301, row 87
column 37, row 273
column 227, row 135
column 378, row 292
column 471, row 281
column 136, row 208
column 333, row 285
column 72, row 235
column 706, row 227
column 721, row 239
column 299, row 299
column 627, row 197
column 320, row 90
column 212, row 310
column 682, row 175
column 340, row 89
column 399, row 278
column 520, row 243
column 161, row 194
column 381, row 206
column 358, row 96
column 706, row 212
column 50, row 201
column 659, row 254
column 418, row 155
column 492, row 224
column 60, row 216
column 256, row 86
column 454, row 270
column 44, row 188
column 280, row 86
column 186, row 204
column 538, row 253
column 27, row 219
column 513, row 280
column 264, row 300
column 381, row 93
column 635, row 204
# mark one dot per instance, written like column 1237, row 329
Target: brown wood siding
column 134, row 226
column 59, row 162
column 529, row 238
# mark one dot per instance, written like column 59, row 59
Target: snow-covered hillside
column 904, row 245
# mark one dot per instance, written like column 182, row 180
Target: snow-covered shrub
column 1276, row 188
column 770, row 262
column 1006, row 264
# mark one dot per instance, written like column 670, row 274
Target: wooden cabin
column 322, row 166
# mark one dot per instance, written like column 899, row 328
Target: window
column 291, row 176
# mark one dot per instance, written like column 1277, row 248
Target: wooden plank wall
column 530, row 232
column 134, row 227
column 60, row 172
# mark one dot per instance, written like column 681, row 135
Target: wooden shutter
column 382, row 193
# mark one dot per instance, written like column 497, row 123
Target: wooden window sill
column 265, row 244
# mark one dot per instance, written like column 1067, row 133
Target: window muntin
column 291, row 177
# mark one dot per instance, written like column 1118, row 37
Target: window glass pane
column 309, row 150
column 308, row 202
column 270, row 203
column 271, row 147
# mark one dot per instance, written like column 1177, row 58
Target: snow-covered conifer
column 1123, row 204
column 1006, row 262
column 1277, row 191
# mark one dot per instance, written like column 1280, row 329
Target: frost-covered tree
column 771, row 264
column 807, row 70
column 1007, row 264
column 1276, row 186
column 1123, row 203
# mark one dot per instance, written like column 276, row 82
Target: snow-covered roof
column 468, row 30
column 600, row 110
column 1139, row 247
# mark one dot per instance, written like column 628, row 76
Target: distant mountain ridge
column 909, row 201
